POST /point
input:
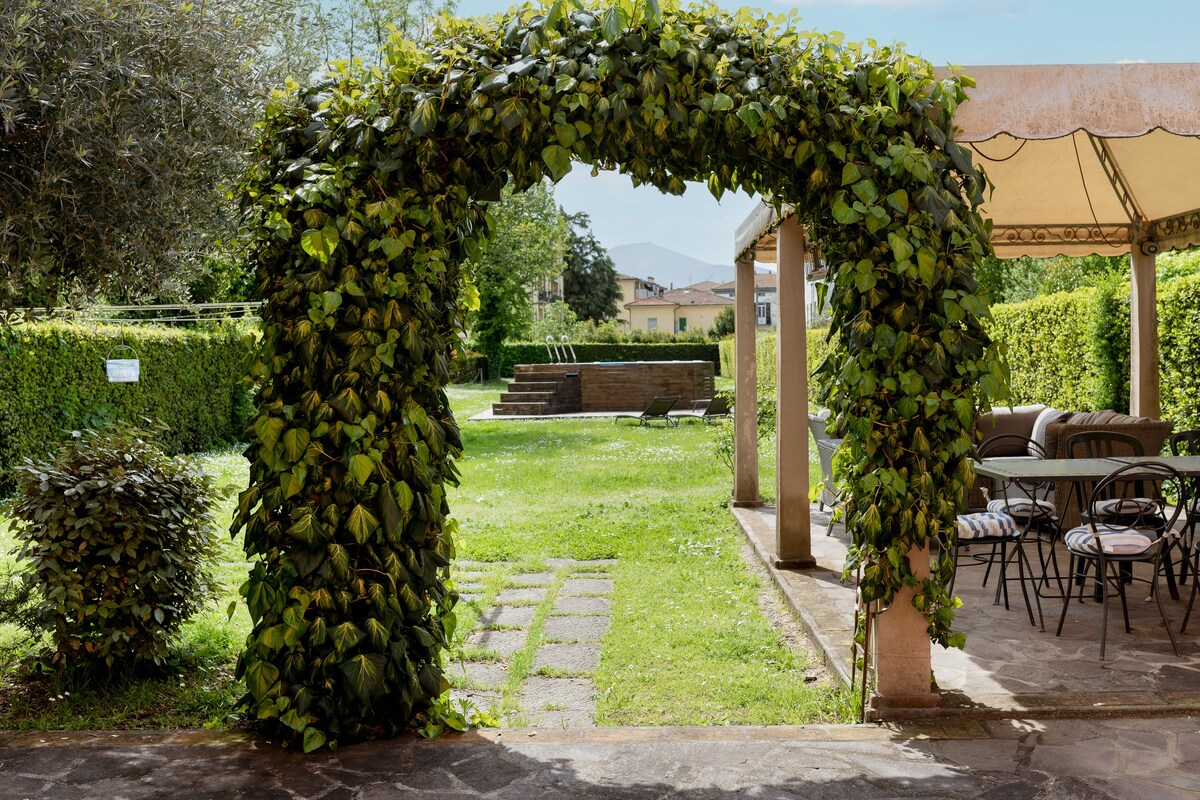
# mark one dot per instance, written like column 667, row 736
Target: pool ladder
column 558, row 350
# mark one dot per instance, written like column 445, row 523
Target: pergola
column 1086, row 159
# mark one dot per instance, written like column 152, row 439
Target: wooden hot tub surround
column 548, row 389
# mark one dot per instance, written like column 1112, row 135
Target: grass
column 688, row 643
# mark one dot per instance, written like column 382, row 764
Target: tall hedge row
column 1050, row 348
column 1179, row 351
column 52, row 380
column 1069, row 350
column 535, row 353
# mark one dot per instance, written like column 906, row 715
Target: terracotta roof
column 704, row 286
column 762, row 280
column 683, row 297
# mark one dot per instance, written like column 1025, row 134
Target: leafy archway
column 368, row 195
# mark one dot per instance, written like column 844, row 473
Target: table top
column 1033, row 470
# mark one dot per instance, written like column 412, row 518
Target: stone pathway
column 1118, row 759
column 537, row 642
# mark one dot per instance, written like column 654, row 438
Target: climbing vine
column 368, row 195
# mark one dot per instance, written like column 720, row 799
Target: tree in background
column 330, row 30
column 590, row 284
column 529, row 238
column 120, row 123
column 723, row 324
column 1017, row 279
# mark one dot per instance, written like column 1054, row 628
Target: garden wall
column 52, row 381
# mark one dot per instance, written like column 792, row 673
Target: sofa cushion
column 1041, row 431
column 1003, row 421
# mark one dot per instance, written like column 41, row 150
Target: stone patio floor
column 1119, row 759
column 1010, row 668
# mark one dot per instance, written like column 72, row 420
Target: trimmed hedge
column 535, row 353
column 1051, row 350
column 53, row 381
column 1179, row 351
column 1070, row 350
column 818, row 348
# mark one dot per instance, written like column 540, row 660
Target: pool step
column 539, row 390
column 527, row 397
column 503, row 409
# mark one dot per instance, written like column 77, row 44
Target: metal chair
column 1111, row 546
column 1187, row 443
column 1029, row 513
column 658, row 409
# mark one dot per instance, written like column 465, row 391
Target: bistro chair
column 1187, row 443
column 1005, row 525
column 1142, row 537
column 1123, row 502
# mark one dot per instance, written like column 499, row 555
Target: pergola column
column 792, row 525
column 745, row 409
column 903, row 660
column 1143, row 335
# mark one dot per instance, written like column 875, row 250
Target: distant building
column 543, row 294
column 631, row 289
column 677, row 310
column 766, row 298
column 705, row 286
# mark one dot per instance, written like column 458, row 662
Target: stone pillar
column 902, row 651
column 1143, row 335
column 793, row 546
column 745, row 410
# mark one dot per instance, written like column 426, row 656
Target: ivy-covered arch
column 368, row 195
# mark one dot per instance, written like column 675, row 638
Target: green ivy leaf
column 557, row 160
column 361, row 467
column 722, row 102
column 295, row 443
column 320, row 244
column 423, row 117
column 361, row 523
column 364, row 672
column 313, row 739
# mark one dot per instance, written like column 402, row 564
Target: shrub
column 54, row 382
column 118, row 538
column 818, row 348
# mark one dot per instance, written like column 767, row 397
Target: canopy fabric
column 1087, row 158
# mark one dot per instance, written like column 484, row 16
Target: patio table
column 1078, row 471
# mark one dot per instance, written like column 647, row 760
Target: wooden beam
column 1143, row 336
column 745, row 409
column 793, row 534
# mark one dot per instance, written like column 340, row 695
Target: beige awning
column 1087, row 158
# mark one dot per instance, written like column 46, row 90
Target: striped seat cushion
column 1117, row 540
column 1021, row 508
column 987, row 525
column 1124, row 507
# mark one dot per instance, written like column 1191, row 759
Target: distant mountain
column 667, row 267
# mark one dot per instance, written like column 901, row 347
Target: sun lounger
column 658, row 409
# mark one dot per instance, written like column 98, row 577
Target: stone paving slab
column 577, row 629
column 578, row 657
column 533, row 579
column 504, row 643
column 573, row 562
column 558, row 702
column 582, row 605
column 480, row 674
column 1018, row 759
column 508, row 615
column 573, row 587
column 524, row 595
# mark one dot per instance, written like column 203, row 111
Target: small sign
column 122, row 370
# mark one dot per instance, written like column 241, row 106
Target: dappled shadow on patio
column 1008, row 666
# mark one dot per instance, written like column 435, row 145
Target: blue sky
column 962, row 33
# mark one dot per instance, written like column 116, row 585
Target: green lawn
column 688, row 645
